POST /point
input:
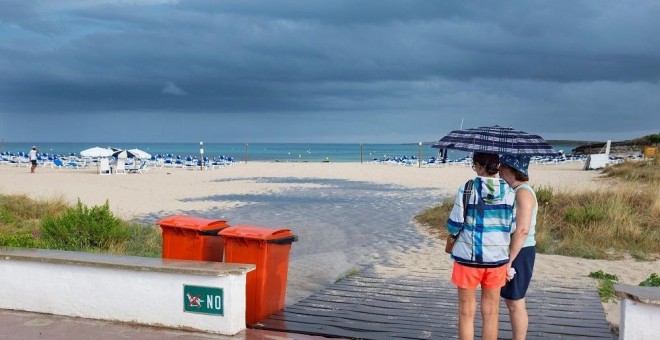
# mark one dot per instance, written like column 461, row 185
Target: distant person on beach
column 522, row 251
column 481, row 251
column 33, row 158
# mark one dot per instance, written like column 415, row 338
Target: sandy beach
column 347, row 215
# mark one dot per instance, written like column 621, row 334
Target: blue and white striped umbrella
column 496, row 140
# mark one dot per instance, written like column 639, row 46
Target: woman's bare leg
column 519, row 319
column 467, row 307
column 490, row 307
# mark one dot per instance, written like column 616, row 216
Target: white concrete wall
column 639, row 321
column 152, row 298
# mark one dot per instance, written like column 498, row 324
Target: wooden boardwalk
column 370, row 307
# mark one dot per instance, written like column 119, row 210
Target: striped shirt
column 486, row 232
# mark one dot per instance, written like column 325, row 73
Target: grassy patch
column 348, row 274
column 601, row 224
column 436, row 217
column 597, row 224
column 53, row 224
column 603, row 276
column 646, row 171
column 606, row 285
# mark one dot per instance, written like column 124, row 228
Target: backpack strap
column 467, row 192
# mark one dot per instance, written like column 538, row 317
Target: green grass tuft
column 348, row 274
column 652, row 281
column 606, row 285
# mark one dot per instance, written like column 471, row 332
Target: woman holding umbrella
column 481, row 250
column 522, row 251
column 520, row 145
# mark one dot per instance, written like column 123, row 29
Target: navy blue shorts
column 524, row 265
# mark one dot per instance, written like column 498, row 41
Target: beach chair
column 121, row 166
column 57, row 163
column 144, row 168
column 131, row 169
column 104, row 167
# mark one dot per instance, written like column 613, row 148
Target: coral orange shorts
column 470, row 277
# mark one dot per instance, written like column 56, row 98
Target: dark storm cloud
column 550, row 61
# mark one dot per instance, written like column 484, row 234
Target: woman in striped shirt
column 481, row 251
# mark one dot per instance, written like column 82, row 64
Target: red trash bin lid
column 192, row 223
column 270, row 235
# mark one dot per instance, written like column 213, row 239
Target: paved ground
column 27, row 326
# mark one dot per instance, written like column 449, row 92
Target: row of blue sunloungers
column 467, row 161
column 76, row 162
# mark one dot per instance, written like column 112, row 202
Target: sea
column 268, row 152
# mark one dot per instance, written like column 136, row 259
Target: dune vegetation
column 598, row 224
column 53, row 224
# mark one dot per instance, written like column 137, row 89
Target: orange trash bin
column 268, row 249
column 192, row 238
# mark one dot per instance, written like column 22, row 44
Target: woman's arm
column 524, row 209
column 455, row 221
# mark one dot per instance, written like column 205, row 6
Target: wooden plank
column 370, row 307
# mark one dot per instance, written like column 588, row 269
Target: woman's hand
column 510, row 272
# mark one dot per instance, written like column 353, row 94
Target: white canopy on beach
column 96, row 152
column 140, row 154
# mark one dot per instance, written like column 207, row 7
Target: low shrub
column 143, row 241
column 6, row 217
column 652, row 281
column 603, row 276
column 83, row 228
column 21, row 240
column 52, row 224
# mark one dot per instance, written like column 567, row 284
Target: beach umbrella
column 496, row 140
column 124, row 154
column 96, row 152
column 140, row 154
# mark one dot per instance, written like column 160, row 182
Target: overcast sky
column 326, row 71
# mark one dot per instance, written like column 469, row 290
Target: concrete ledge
column 121, row 288
column 648, row 295
column 125, row 262
column 640, row 311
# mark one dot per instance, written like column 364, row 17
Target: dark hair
column 490, row 162
column 517, row 174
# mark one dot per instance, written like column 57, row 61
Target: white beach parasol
column 96, row 152
column 140, row 154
